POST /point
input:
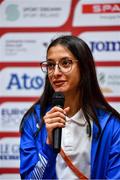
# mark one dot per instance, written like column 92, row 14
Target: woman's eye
column 66, row 63
column 50, row 65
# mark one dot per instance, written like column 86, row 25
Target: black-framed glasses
column 64, row 65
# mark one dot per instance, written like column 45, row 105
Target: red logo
column 100, row 8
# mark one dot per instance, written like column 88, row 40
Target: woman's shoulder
column 102, row 113
column 108, row 117
column 31, row 117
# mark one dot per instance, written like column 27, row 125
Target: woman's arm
column 114, row 155
column 37, row 159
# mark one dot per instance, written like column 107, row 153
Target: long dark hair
column 91, row 95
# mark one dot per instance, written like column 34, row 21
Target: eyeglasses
column 64, row 65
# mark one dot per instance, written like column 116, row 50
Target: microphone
column 57, row 100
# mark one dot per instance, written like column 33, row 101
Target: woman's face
column 66, row 82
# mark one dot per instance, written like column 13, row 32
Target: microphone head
column 58, row 99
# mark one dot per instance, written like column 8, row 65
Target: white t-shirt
column 77, row 145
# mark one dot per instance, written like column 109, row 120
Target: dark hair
column 91, row 95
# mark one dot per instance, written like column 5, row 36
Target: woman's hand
column 55, row 118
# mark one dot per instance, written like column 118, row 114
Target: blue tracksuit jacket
column 37, row 159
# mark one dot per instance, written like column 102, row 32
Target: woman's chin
column 59, row 90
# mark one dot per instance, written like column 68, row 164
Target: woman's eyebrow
column 50, row 60
column 62, row 58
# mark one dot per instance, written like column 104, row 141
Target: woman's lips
column 58, row 83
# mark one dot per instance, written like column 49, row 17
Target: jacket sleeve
column 114, row 156
column 37, row 161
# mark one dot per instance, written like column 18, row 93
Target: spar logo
column 100, row 8
column 97, row 13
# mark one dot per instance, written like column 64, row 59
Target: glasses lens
column 65, row 65
column 44, row 67
column 50, row 66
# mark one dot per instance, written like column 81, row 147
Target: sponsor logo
column 39, row 13
column 100, row 8
column 101, row 77
column 96, row 13
column 12, row 12
column 9, row 152
column 11, row 115
column 24, row 82
column 25, row 47
column 19, row 81
column 109, row 80
column 105, row 46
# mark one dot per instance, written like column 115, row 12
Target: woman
column 90, row 126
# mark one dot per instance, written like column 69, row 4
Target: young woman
column 90, row 126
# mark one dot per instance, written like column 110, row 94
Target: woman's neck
column 73, row 102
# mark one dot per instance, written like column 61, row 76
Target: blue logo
column 9, row 152
column 105, row 46
column 25, row 82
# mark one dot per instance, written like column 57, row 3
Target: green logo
column 101, row 77
column 12, row 12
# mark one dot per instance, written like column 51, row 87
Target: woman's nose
column 57, row 69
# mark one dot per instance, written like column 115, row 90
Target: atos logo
column 105, row 46
column 19, row 81
column 25, row 82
